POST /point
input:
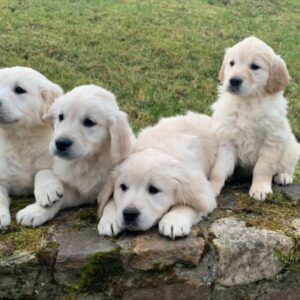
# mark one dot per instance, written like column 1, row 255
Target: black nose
column 130, row 215
column 235, row 82
column 63, row 144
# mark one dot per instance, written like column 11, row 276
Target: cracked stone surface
column 247, row 254
column 223, row 257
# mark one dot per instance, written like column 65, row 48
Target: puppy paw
column 174, row 225
column 33, row 215
column 283, row 179
column 108, row 226
column 48, row 193
column 260, row 192
column 5, row 220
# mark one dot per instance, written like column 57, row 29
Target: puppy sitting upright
column 25, row 96
column 90, row 135
column 164, row 179
column 250, row 118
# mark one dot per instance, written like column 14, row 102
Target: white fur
column 252, row 123
column 175, row 156
column 85, row 166
column 24, row 136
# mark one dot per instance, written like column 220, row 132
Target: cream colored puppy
column 164, row 179
column 250, row 118
column 25, row 96
column 91, row 134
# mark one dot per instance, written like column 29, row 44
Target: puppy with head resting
column 90, row 136
column 25, row 164
column 164, row 179
column 250, row 118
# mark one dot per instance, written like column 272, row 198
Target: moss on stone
column 20, row 238
column 275, row 213
column 101, row 271
column 291, row 260
column 86, row 215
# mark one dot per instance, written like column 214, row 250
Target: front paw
column 5, row 220
column 33, row 215
column 108, row 226
column 174, row 225
column 48, row 193
column 260, row 192
column 283, row 179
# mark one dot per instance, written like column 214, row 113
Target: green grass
column 159, row 57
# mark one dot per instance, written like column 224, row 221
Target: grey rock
column 5, row 249
column 247, row 254
column 18, row 274
column 153, row 251
column 75, row 247
column 291, row 191
column 178, row 291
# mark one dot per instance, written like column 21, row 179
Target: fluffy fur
column 90, row 135
column 163, row 179
column 251, row 119
column 25, row 96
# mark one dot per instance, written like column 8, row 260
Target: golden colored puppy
column 164, row 179
column 91, row 134
column 250, row 118
column 25, row 164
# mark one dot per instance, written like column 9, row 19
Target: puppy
column 163, row 179
column 25, row 96
column 90, row 135
column 251, row 119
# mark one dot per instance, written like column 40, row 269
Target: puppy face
column 25, row 96
column 144, row 189
column 251, row 68
column 83, row 122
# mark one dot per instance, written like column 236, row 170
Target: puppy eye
column 123, row 187
column 254, row 67
column 232, row 63
column 153, row 190
column 60, row 117
column 88, row 123
column 19, row 90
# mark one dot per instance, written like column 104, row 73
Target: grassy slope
column 158, row 57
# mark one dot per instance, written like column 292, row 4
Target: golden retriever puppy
column 251, row 119
column 164, row 179
column 91, row 134
column 25, row 96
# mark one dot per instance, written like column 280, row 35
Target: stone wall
column 245, row 250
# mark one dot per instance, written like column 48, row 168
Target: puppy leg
column 35, row 215
column 108, row 223
column 263, row 172
column 288, row 164
column 5, row 218
column 178, row 221
column 223, row 167
column 47, row 188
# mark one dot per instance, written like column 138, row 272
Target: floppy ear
column 121, row 137
column 105, row 194
column 49, row 92
column 193, row 190
column 221, row 72
column 278, row 76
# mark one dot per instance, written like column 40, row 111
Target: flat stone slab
column 74, row 249
column 247, row 254
column 153, row 251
